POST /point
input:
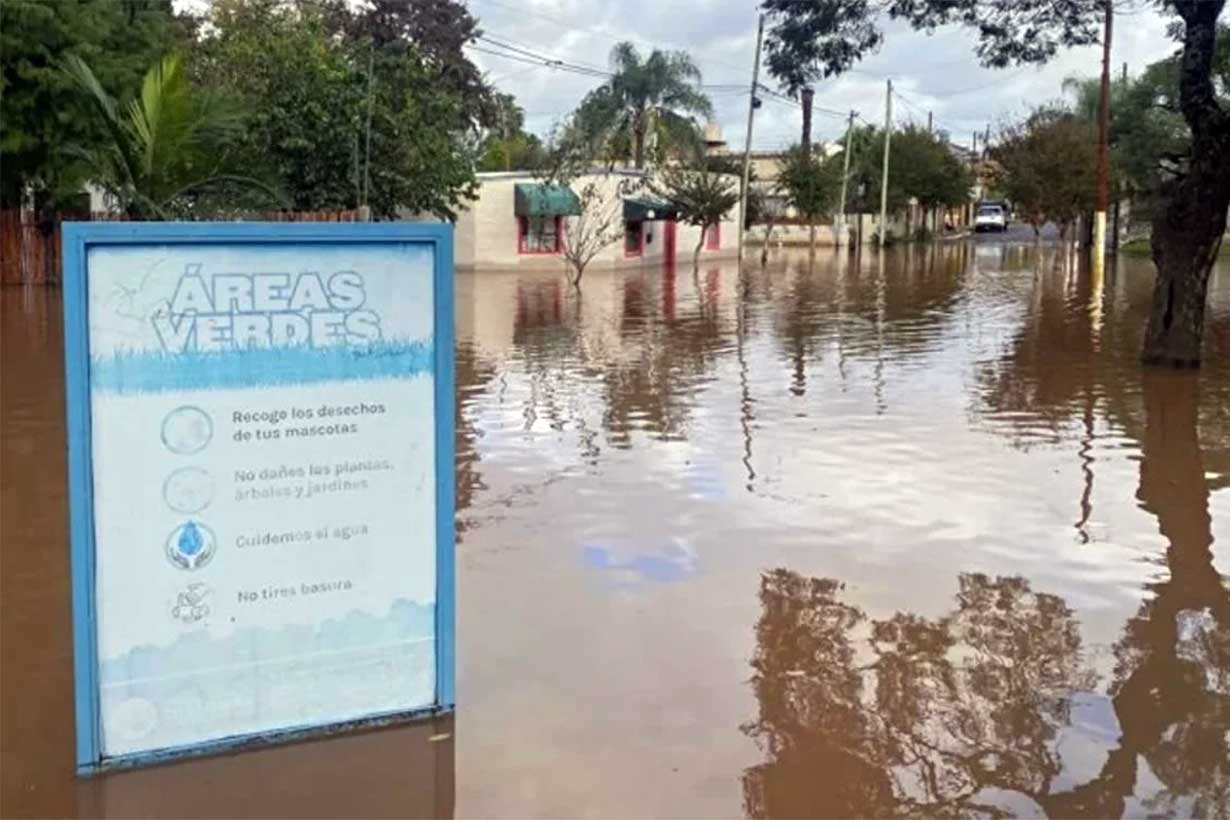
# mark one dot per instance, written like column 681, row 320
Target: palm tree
column 166, row 153
column 658, row 95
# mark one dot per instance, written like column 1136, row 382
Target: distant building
column 715, row 143
column 518, row 221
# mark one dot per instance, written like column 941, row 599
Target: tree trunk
column 638, row 138
column 1188, row 230
column 699, row 245
column 807, row 96
column 1186, row 239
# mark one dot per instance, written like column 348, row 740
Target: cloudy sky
column 935, row 73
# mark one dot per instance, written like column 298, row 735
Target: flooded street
column 903, row 536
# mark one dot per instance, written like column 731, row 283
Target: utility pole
column 1103, row 191
column 1114, row 240
column 747, row 146
column 929, row 122
column 888, row 138
column 845, row 182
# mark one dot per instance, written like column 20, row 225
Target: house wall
column 487, row 232
column 793, row 235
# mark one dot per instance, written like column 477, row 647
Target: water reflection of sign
column 261, row 468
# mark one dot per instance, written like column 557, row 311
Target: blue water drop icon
column 190, row 540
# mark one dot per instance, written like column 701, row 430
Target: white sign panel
column 263, row 431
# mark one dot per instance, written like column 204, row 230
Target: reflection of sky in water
column 705, row 479
column 1084, row 743
column 668, row 564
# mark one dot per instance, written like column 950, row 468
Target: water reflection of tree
column 656, row 387
column 909, row 715
column 472, row 375
column 893, row 314
column 1171, row 683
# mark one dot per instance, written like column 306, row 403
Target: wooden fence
column 30, row 247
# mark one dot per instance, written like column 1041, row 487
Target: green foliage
column 820, row 38
column 1150, row 140
column 1047, row 165
column 166, row 151
column 810, row 184
column 304, row 94
column 811, row 40
column 702, row 195
column 654, row 97
column 506, row 146
column 40, row 113
column 922, row 166
column 312, row 88
column 520, row 152
column 438, row 31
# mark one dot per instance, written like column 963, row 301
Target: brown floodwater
column 912, row 536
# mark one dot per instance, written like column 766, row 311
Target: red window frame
column 639, row 250
column 523, row 230
column 713, row 237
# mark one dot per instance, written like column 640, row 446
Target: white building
column 519, row 222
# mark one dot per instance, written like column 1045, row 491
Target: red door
column 668, row 242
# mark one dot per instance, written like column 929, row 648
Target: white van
column 991, row 218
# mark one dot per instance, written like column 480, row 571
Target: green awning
column 639, row 210
column 536, row 199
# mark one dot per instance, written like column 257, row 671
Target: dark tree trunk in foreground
column 1187, row 232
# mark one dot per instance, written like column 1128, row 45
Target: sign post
column 260, row 427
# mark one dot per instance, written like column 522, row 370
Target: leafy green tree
column 1188, row 230
column 505, row 145
column 926, row 169
column 338, row 120
column 702, row 195
column 1150, row 140
column 810, row 184
column 923, row 168
column 167, row 151
column 658, row 95
column 793, row 56
column 305, row 93
column 1047, row 166
column 40, row 113
column 438, row 31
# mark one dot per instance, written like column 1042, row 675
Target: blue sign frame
column 78, row 238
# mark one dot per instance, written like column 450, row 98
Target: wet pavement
column 849, row 539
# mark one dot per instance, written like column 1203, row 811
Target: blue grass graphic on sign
column 154, row 371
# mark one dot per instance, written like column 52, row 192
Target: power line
column 531, row 51
column 548, row 62
column 775, row 96
column 606, row 34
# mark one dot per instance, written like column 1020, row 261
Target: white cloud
column 935, row 72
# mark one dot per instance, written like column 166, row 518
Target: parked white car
column 991, row 218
